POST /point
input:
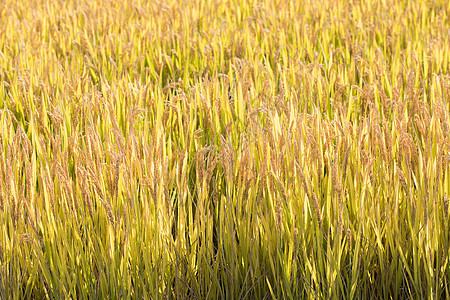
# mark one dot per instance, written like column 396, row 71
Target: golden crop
column 224, row 149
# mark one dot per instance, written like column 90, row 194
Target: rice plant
column 224, row 149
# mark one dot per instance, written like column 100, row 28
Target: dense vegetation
column 224, row 149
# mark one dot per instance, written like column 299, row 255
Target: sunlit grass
column 224, row 149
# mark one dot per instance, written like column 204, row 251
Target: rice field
column 224, row 149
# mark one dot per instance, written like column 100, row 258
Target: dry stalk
column 345, row 162
column 263, row 169
column 438, row 170
column 294, row 253
column 105, row 203
column 200, row 164
column 29, row 180
column 33, row 223
column 311, row 195
column 317, row 208
column 388, row 142
column 125, row 236
column 10, row 187
column 156, row 182
column 337, row 187
column 445, row 200
column 279, row 214
column 427, row 192
column 85, row 190
column 349, row 237
column 116, row 177
column 67, row 187
column 2, row 179
column 51, row 191
column 406, row 190
column 2, row 199
column 316, row 153
column 166, row 184
column 211, row 166
column 180, row 164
